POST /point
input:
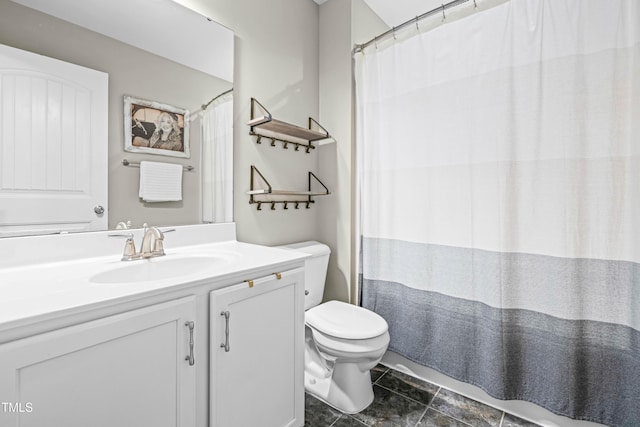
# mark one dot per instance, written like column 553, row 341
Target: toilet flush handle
column 225, row 344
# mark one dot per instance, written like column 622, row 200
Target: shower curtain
column 499, row 188
column 217, row 160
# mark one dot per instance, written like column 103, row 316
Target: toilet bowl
column 342, row 341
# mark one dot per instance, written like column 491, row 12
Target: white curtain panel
column 463, row 119
column 217, row 161
column 499, row 169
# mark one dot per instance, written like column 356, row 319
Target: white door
column 257, row 356
column 53, row 145
column 123, row 370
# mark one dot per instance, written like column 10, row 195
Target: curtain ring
column 394, row 33
column 417, row 26
column 475, row 5
column 444, row 17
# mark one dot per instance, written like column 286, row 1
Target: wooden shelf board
column 284, row 128
column 285, row 193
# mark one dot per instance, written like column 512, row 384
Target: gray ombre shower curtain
column 499, row 187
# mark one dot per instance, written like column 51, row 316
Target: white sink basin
column 160, row 268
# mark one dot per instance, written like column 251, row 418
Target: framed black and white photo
column 155, row 128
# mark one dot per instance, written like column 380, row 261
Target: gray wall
column 131, row 72
column 343, row 23
column 295, row 58
column 276, row 62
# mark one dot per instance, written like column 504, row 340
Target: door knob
column 99, row 210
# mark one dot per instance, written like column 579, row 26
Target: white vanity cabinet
column 256, row 352
column 78, row 352
column 129, row 369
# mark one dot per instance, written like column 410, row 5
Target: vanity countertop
column 33, row 291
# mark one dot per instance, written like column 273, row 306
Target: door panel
column 53, row 145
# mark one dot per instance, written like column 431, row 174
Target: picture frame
column 155, row 128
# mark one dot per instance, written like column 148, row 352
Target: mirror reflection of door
column 54, row 145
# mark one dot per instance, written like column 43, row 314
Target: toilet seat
column 353, row 350
column 345, row 321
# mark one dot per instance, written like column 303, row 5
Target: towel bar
column 137, row 165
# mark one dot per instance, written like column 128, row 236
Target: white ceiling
column 395, row 12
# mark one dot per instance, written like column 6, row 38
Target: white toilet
column 342, row 341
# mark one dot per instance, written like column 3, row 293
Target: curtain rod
column 440, row 9
column 204, row 106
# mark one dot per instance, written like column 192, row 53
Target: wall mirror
column 153, row 50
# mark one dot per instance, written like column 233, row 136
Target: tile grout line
column 426, row 405
column 421, row 416
column 435, row 394
column 355, row 419
column 349, row 416
column 502, row 416
column 336, row 420
column 381, row 375
column 404, row 395
column 450, row 416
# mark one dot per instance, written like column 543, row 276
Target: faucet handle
column 129, row 252
column 158, row 248
column 127, row 235
column 158, row 244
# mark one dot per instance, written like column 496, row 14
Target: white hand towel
column 160, row 182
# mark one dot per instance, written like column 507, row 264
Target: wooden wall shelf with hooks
column 265, row 126
column 254, row 193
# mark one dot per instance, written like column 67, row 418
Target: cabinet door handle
column 225, row 344
column 191, row 325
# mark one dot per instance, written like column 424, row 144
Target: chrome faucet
column 151, row 246
column 145, row 248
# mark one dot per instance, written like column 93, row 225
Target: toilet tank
column 315, row 270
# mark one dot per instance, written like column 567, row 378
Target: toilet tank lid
column 309, row 247
column 341, row 320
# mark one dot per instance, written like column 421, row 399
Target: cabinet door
column 257, row 356
column 123, row 370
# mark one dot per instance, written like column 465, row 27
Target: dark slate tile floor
column 404, row 401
